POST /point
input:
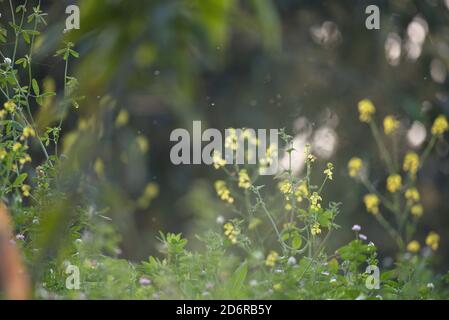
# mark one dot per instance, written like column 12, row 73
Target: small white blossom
column 144, row 281
column 7, row 61
column 291, row 261
column 220, row 220
column 356, row 228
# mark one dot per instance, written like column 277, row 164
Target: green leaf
column 296, row 241
column 35, row 87
column 237, row 280
column 19, row 180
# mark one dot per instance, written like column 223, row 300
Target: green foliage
column 271, row 244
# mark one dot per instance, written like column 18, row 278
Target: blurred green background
column 300, row 65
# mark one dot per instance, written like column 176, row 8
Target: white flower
column 291, row 261
column 7, row 61
column 253, row 282
column 20, row 236
column 332, row 280
column 361, row 297
column 430, row 286
column 258, row 255
column 363, row 237
column 356, row 228
column 220, row 220
column 144, row 281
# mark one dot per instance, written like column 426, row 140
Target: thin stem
column 383, row 150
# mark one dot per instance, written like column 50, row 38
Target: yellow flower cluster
column 366, row 110
column 315, row 201
column 301, row 191
column 354, row 166
column 232, row 140
column 411, row 163
column 150, row 193
column 417, row 210
column 315, row 229
column 26, row 158
column 122, row 118
column 231, row 232
column 433, row 240
column 390, row 125
column 412, row 195
column 285, row 187
column 244, row 180
column 26, row 190
column 223, row 192
column 271, row 259
column 329, row 171
column 394, row 183
column 372, row 203
column 440, row 126
column 10, row 106
column 413, row 246
column 16, row 146
column 27, row 132
column 217, row 160
column 310, row 158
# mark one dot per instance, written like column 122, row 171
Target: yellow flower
column 277, row 286
column 253, row 223
column 412, row 195
column 394, row 183
column 150, row 193
column 217, row 160
column 354, row 166
column 366, row 110
column 285, row 187
column 16, row 147
column 315, row 229
column 231, row 232
column 328, row 172
column 244, row 180
column 440, row 126
column 10, row 106
column 223, row 191
column 417, row 210
column 232, row 140
column 411, row 163
column 271, row 154
column 25, row 159
column 26, row 190
column 122, row 118
column 271, row 259
column 372, row 203
column 315, row 201
column 390, row 125
column 433, row 240
column 27, row 132
column 142, row 144
column 2, row 113
column 301, row 191
column 3, row 153
column 413, row 246
column 99, row 167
